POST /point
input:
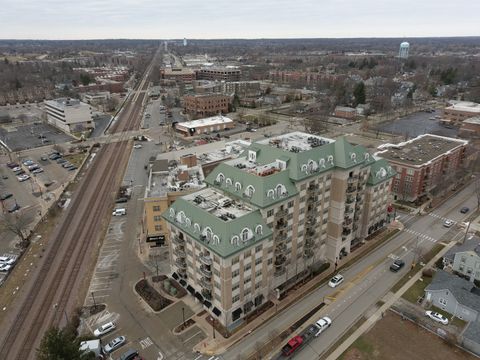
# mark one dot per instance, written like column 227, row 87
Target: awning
column 199, row 296
column 207, row 303
column 191, row 290
column 183, row 282
column 175, row 276
column 216, row 311
column 237, row 312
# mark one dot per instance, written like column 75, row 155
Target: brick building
column 460, row 111
column 205, row 104
column 423, row 164
column 345, row 112
column 178, row 74
column 219, row 73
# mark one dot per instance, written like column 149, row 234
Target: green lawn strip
column 417, row 290
column 344, row 337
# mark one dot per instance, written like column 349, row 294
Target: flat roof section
column 218, row 204
column 420, row 150
column 296, row 141
column 214, row 120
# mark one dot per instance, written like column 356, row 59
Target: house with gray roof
column 285, row 206
column 454, row 295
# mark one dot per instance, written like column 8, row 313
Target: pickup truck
column 297, row 342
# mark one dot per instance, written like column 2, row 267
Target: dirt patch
column 395, row 339
column 151, row 296
column 183, row 327
column 167, row 285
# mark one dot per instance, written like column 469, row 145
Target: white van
column 119, row 212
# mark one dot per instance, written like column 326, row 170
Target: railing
column 206, row 259
column 181, row 264
column 281, row 213
column 206, row 283
column 178, row 240
column 179, row 252
column 205, row 271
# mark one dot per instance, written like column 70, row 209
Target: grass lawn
column 416, row 290
column 454, row 321
column 76, row 159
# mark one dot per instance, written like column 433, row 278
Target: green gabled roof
column 380, row 170
column 261, row 184
column 225, row 230
column 347, row 155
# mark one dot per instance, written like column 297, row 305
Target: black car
column 464, row 210
column 121, row 200
column 397, row 265
column 5, row 196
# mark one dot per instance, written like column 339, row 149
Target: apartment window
column 235, row 273
column 247, row 280
column 217, row 297
column 235, row 260
column 158, row 227
column 302, row 199
column 290, row 204
column 258, row 273
column 270, row 213
column 258, row 248
column 157, row 218
column 235, row 298
column 235, row 287
column 258, row 261
column 156, row 208
column 443, row 301
column 248, row 266
column 216, row 272
column 247, row 292
column 257, row 285
column 270, row 261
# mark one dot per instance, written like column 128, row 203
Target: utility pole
column 466, row 232
column 415, row 253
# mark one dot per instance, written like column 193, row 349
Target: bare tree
column 18, row 225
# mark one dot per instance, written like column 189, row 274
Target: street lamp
column 94, row 303
column 55, row 307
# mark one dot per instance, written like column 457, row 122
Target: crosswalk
column 420, row 235
column 146, row 343
column 441, row 217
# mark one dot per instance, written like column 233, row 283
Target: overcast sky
column 161, row 19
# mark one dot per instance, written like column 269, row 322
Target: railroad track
column 52, row 290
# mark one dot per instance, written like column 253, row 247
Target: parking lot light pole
column 183, row 317
column 94, row 303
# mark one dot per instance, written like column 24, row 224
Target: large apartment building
column 269, row 217
column 69, row 115
column 423, row 164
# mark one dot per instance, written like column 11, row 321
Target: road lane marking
column 145, row 343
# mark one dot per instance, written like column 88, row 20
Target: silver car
column 114, row 344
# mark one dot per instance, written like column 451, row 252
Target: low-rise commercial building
column 461, row 110
column 423, row 164
column 470, row 127
column 283, row 208
column 206, row 125
column 219, row 73
column 206, row 104
column 345, row 112
column 178, row 74
column 69, row 115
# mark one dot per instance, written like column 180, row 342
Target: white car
column 114, row 344
column 323, row 324
column 7, row 260
column 448, row 223
column 335, row 281
column 137, row 146
column 437, row 317
column 23, row 177
column 105, row 328
column 37, row 171
column 17, row 168
column 5, row 267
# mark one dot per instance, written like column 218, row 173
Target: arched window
column 220, row 178
column 312, row 166
column 181, row 217
column 353, row 157
column 249, row 190
column 304, row 168
column 246, row 234
column 172, row 212
column 235, row 240
column 259, row 230
column 321, row 162
column 208, row 233
column 330, row 159
column 228, row 182
column 238, row 186
column 280, row 190
column 188, row 222
column 271, row 194
column 196, row 227
column 216, row 240
column 367, row 156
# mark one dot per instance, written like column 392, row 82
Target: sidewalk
column 378, row 314
column 210, row 346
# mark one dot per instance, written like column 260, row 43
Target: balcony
column 180, row 263
column 281, row 213
column 348, row 209
column 309, row 244
column 352, row 180
column 207, row 294
column 309, row 234
column 346, row 231
column 179, row 252
column 280, row 261
column 281, row 225
column 308, row 253
column 205, row 271
column 351, row 189
column 354, row 227
column 279, row 272
column 313, row 188
column 281, row 237
column 347, row 221
column 206, row 283
column 350, row 199
column 206, row 259
column 177, row 240
column 311, row 221
column 280, row 250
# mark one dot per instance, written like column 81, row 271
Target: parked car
column 137, row 146
column 5, row 267
column 397, row 265
column 33, row 167
column 5, row 196
column 121, row 200
column 464, row 210
column 20, row 172
column 12, row 165
column 105, row 328
column 119, row 212
column 61, row 161
column 71, row 168
column 448, row 223
column 7, row 260
column 16, row 168
column 130, row 354
column 436, row 317
column 323, row 324
column 28, row 162
column 54, row 156
column 37, row 171
column 67, row 165
column 14, row 208
column 114, row 344
column 44, row 158
column 335, row 281
column 23, row 177
column 48, row 183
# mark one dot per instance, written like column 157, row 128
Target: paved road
column 367, row 280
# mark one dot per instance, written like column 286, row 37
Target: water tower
column 404, row 48
column 184, row 42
